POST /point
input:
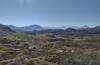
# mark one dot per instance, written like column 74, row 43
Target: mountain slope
column 26, row 28
column 5, row 30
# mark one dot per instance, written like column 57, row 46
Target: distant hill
column 84, row 30
column 34, row 28
column 5, row 30
column 95, row 30
column 26, row 28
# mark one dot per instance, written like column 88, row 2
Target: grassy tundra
column 49, row 49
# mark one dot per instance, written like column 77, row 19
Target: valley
column 49, row 47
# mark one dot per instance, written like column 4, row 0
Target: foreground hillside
column 49, row 49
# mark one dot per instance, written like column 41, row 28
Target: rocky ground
column 22, row 49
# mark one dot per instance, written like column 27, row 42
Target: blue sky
column 50, row 12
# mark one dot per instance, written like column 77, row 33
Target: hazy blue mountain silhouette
column 26, row 28
column 81, row 30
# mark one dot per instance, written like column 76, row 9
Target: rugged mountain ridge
column 38, row 28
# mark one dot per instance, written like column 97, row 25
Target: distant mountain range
column 84, row 30
column 26, row 28
column 38, row 28
column 32, row 28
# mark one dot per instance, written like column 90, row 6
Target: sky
column 50, row 12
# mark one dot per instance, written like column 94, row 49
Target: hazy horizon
column 51, row 13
